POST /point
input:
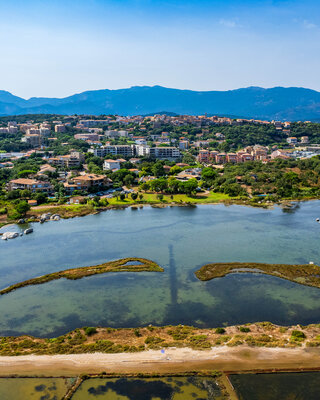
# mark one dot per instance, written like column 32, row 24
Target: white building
column 165, row 153
column 111, row 165
column 124, row 150
column 142, row 150
column 116, row 134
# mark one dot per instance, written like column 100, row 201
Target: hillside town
column 61, row 158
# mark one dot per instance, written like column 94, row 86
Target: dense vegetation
column 279, row 179
column 110, row 340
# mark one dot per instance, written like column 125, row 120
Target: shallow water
column 190, row 388
column 33, row 388
column 286, row 386
column 179, row 239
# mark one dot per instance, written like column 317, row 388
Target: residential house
column 30, row 184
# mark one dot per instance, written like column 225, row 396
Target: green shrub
column 297, row 335
column 153, row 340
column 220, row 331
column 137, row 332
column 244, row 329
column 89, row 331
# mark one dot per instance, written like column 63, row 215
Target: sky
column 55, row 48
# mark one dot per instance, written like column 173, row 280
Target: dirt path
column 241, row 358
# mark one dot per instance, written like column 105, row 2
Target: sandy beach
column 241, row 358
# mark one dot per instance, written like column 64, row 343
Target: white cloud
column 309, row 25
column 228, row 23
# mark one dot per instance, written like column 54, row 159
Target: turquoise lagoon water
column 181, row 240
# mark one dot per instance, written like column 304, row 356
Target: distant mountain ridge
column 277, row 103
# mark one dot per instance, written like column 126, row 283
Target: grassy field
column 152, row 198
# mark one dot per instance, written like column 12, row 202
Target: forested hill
column 277, row 103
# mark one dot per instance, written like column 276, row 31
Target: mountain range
column 276, row 103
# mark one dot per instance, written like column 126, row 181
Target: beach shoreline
column 173, row 360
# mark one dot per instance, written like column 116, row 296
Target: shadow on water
column 173, row 277
column 195, row 388
column 135, row 389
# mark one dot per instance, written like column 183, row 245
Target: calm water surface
column 34, row 388
column 179, row 239
column 190, row 388
column 291, row 386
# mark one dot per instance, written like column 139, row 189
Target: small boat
column 27, row 231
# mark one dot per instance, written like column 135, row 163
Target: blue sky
column 58, row 48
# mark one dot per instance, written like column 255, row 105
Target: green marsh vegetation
column 305, row 274
column 129, row 264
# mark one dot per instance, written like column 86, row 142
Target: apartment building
column 142, row 150
column 32, row 139
column 87, row 136
column 59, row 128
column 88, row 181
column 165, row 153
column 91, row 123
column 74, row 159
column 116, row 134
column 204, row 156
column 292, row 140
column 30, row 184
column 183, row 145
column 124, row 150
column 111, row 165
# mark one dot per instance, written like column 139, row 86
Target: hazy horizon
column 174, row 88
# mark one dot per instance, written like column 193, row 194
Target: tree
column 159, row 185
column 128, row 180
column 134, row 196
column 145, row 186
column 190, row 186
column 188, row 159
column 173, row 185
column 233, row 189
column 122, row 196
column 157, row 169
column 40, row 197
column 175, row 170
column 22, row 207
column 25, row 194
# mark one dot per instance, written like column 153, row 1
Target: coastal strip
column 136, row 265
column 135, row 340
column 304, row 274
column 239, row 359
